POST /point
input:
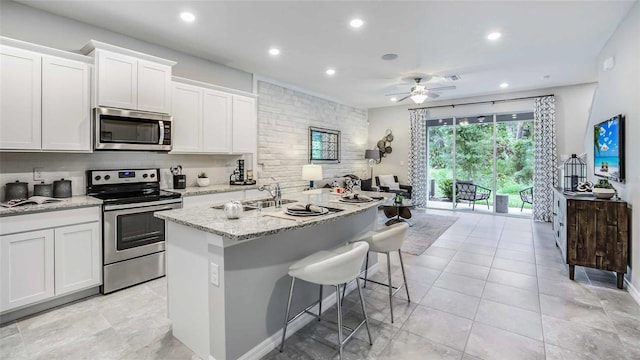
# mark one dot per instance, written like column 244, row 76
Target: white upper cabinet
column 154, row 87
column 128, row 79
column 66, row 109
column 45, row 100
column 212, row 121
column 244, row 125
column 186, row 110
column 117, row 80
column 20, row 99
column 217, row 122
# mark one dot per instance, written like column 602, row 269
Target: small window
column 324, row 145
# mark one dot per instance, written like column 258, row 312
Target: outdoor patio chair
column 526, row 195
column 468, row 191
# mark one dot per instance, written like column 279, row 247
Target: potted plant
column 203, row 180
column 603, row 189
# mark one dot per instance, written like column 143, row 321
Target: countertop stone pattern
column 65, row 204
column 252, row 225
column 211, row 189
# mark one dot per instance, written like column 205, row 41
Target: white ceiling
column 558, row 38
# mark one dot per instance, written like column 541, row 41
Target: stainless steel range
column 133, row 239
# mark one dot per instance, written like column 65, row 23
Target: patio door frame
column 494, row 116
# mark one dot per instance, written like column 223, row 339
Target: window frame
column 336, row 133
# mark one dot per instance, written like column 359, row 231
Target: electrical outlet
column 37, row 174
column 213, row 274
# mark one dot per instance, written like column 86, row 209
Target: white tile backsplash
column 19, row 166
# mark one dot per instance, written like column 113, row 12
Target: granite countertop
column 253, row 224
column 211, row 189
column 65, row 204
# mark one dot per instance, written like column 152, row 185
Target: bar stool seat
column 333, row 267
column 385, row 241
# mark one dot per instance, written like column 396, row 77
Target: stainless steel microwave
column 118, row 129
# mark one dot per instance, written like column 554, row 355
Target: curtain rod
column 481, row 102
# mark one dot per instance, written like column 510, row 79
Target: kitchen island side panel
column 257, row 283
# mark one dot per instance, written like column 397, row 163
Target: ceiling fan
column 419, row 93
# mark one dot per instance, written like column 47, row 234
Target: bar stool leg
column 404, row 277
column 366, row 270
column 339, row 306
column 286, row 316
column 320, row 304
column 390, row 286
column 364, row 312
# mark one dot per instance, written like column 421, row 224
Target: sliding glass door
column 481, row 163
column 474, row 162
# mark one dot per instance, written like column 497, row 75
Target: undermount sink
column 248, row 205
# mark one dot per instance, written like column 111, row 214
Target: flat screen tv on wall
column 608, row 152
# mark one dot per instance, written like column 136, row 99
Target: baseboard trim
column 273, row 341
column 635, row 294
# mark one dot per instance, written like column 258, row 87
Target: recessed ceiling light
column 330, row 72
column 394, row 99
column 504, row 85
column 274, row 51
column 187, row 16
column 494, row 36
column 389, row 57
column 356, row 23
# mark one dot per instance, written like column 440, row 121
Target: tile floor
column 488, row 288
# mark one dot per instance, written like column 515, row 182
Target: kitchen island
column 227, row 279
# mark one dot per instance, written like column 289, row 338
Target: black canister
column 16, row 190
column 43, row 189
column 62, row 188
column 179, row 181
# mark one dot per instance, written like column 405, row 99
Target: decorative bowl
column 203, row 181
column 603, row 193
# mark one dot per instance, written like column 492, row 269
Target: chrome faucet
column 274, row 191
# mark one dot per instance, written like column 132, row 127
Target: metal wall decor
column 324, row 145
column 384, row 144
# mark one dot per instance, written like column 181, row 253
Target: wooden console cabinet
column 592, row 233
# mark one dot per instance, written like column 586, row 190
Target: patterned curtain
column 418, row 156
column 544, row 154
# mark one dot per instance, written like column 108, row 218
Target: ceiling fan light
column 418, row 98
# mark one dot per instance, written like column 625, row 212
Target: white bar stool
column 385, row 241
column 333, row 267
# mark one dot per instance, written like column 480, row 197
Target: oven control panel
column 113, row 177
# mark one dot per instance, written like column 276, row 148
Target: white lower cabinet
column 60, row 258
column 77, row 257
column 27, row 266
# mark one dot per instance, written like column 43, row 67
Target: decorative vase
column 601, row 193
column 233, row 209
column 203, row 181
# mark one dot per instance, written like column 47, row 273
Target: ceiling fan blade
column 404, row 98
column 402, row 93
column 442, row 88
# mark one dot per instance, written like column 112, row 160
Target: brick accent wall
column 284, row 117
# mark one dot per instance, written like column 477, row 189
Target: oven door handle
column 145, row 207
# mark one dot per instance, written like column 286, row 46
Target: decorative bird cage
column 575, row 172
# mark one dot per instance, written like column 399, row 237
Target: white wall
column 284, row 117
column 572, row 113
column 619, row 93
column 39, row 27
